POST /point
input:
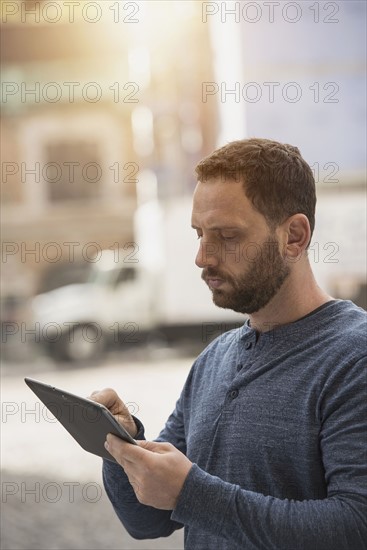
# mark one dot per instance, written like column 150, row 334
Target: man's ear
column 295, row 235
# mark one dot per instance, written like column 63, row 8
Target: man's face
column 239, row 254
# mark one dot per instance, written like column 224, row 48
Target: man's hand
column 116, row 406
column 156, row 471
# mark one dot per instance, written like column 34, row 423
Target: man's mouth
column 212, row 279
column 214, row 282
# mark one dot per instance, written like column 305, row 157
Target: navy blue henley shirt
column 275, row 425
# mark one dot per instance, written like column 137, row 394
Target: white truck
column 148, row 289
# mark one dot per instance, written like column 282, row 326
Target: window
column 72, row 171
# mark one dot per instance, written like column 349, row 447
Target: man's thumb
column 153, row 446
column 148, row 445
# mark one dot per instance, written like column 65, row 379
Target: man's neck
column 297, row 297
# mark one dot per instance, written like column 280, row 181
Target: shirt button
column 248, row 345
column 234, row 394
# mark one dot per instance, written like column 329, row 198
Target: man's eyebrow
column 220, row 227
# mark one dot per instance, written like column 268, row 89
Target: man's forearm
column 141, row 522
column 252, row 520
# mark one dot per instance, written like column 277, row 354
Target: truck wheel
column 82, row 344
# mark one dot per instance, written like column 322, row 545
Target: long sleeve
column 246, row 519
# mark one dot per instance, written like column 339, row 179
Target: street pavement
column 52, row 492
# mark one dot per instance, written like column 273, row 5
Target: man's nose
column 208, row 255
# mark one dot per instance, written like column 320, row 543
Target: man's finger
column 106, row 397
column 134, row 453
column 121, row 449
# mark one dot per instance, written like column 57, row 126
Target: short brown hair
column 276, row 178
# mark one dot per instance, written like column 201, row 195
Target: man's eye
column 228, row 237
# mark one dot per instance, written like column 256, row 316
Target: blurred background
column 106, row 108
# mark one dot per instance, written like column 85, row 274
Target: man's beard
column 254, row 289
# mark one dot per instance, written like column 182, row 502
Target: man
column 266, row 446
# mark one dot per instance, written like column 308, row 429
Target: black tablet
column 87, row 421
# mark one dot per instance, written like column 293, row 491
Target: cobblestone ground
column 54, row 516
column 57, row 517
